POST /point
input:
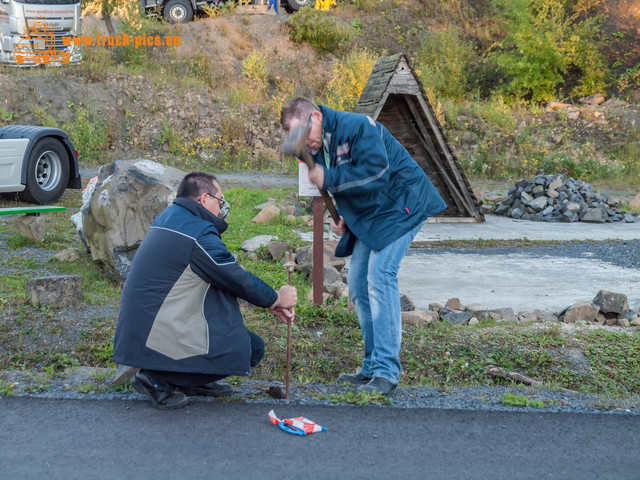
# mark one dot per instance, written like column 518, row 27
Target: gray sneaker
column 379, row 385
column 356, row 379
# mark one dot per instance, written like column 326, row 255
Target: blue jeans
column 373, row 285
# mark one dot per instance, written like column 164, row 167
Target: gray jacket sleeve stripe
column 196, row 242
column 358, row 183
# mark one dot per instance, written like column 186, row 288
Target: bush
column 630, row 80
column 542, row 45
column 348, row 78
column 443, row 64
column 254, row 67
column 319, row 29
column 88, row 132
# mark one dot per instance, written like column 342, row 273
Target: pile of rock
column 607, row 308
column 549, row 198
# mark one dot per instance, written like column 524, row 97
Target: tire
column 47, row 172
column 292, row 6
column 178, row 11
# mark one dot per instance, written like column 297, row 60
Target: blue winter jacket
column 179, row 310
column 381, row 192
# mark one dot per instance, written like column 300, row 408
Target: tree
column 128, row 9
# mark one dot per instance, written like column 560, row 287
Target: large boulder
column 128, row 196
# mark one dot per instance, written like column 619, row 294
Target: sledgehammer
column 296, row 144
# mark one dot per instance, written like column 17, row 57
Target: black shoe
column 355, row 379
column 159, row 398
column 379, row 385
column 213, row 389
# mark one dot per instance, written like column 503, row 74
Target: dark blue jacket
column 179, row 310
column 381, row 192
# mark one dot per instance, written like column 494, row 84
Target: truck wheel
column 178, row 11
column 47, row 172
column 292, row 6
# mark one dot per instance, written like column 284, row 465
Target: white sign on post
column 305, row 187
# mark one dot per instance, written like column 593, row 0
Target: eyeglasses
column 221, row 201
column 224, row 206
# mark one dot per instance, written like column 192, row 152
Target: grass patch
column 7, row 389
column 513, row 400
column 358, row 398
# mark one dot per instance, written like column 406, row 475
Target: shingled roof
column 394, row 96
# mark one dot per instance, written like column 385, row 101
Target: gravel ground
column 624, row 253
column 69, row 385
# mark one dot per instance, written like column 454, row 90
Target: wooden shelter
column 394, row 96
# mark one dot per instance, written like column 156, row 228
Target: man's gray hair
column 299, row 108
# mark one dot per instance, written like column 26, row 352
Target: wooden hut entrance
column 394, row 96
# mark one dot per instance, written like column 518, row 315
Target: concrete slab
column 523, row 281
column 504, row 228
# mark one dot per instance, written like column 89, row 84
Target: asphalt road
column 86, row 439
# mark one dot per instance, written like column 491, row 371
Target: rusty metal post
column 318, row 250
column 289, row 266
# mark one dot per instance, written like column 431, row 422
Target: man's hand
column 288, row 297
column 339, row 228
column 316, row 176
column 286, row 315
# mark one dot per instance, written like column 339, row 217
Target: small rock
column 611, row 302
column 254, row 243
column 505, row 313
column 634, row 204
column 477, row 192
column 553, row 106
column 55, row 290
column 67, row 255
column 454, row 304
column 406, row 304
column 267, row 214
column 456, row 318
column 595, row 99
column 594, row 215
column 623, row 322
column 545, row 317
column 276, row 249
column 436, row 307
column 527, row 317
column 418, row 318
column 31, row 227
column 582, row 310
column 477, row 310
column 611, row 319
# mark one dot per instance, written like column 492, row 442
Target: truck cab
column 32, row 32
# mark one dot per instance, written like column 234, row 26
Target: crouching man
column 179, row 319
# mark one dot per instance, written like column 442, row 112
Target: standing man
column 179, row 320
column 383, row 197
column 274, row 4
